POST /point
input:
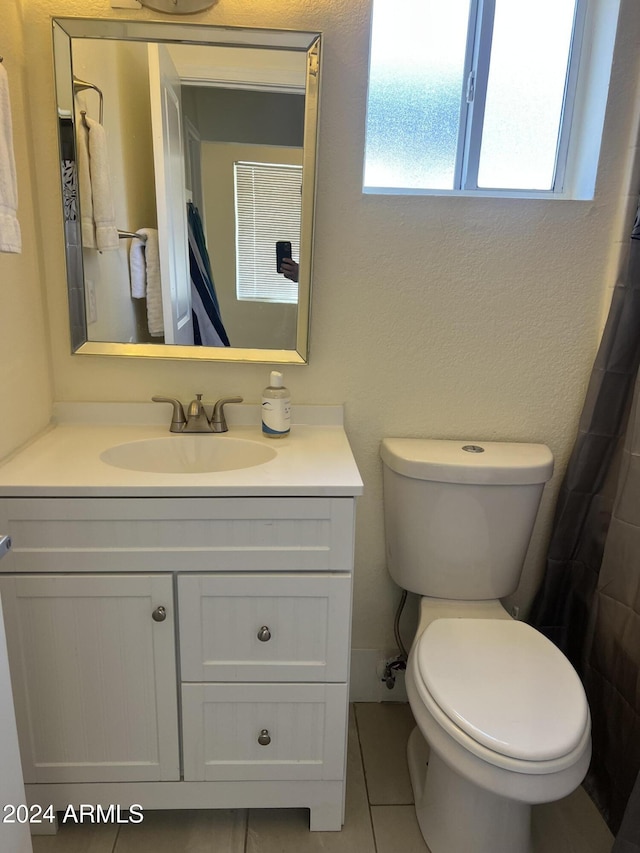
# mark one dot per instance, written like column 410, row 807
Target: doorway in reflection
column 227, row 129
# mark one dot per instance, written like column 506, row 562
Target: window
column 472, row 95
column 267, row 199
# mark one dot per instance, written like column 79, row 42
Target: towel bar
column 124, row 235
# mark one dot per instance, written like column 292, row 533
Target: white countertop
column 64, row 461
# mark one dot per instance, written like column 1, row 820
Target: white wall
column 25, row 378
column 25, row 381
column 463, row 317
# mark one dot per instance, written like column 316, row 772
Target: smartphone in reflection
column 283, row 250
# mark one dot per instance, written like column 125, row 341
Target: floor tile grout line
column 246, row 830
column 364, row 775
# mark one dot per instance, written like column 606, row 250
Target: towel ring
column 80, row 85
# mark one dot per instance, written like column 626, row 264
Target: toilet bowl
column 501, row 709
column 507, row 723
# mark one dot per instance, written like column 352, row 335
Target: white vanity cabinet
column 181, row 652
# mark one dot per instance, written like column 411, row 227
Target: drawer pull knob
column 264, row 738
column 264, row 634
column 159, row 614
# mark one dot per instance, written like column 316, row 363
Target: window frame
column 471, row 117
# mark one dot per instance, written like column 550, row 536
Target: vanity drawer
column 264, row 731
column 178, row 534
column 264, row 627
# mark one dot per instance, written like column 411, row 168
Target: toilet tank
column 459, row 514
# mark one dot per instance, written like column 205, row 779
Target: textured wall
column 25, row 381
column 442, row 317
column 25, row 384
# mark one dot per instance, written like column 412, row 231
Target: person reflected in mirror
column 289, row 269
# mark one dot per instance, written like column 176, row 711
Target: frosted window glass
column 415, row 89
column 529, row 57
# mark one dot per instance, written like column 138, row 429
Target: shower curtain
column 589, row 602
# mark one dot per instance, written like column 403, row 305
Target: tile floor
column 380, row 816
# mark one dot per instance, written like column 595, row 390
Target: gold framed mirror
column 187, row 152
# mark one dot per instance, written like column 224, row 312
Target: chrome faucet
column 197, row 419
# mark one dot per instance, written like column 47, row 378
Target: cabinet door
column 94, row 676
column 286, row 627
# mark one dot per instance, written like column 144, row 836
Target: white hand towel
column 99, row 229
column 155, row 318
column 138, row 269
column 144, row 263
column 103, row 213
column 84, row 187
column 10, row 237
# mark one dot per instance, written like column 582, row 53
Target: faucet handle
column 218, row 420
column 178, row 419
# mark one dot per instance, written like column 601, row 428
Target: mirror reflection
column 188, row 174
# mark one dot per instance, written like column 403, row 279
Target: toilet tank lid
column 468, row 462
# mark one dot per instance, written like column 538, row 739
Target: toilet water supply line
column 399, row 663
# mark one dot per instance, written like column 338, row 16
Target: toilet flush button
column 473, row 448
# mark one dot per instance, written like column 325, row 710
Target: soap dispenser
column 276, row 407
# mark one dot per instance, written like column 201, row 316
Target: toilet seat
column 502, row 690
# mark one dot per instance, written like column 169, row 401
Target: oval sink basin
column 188, row 454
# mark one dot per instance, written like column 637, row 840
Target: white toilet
column 503, row 711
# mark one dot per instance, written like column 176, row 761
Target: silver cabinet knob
column 159, row 614
column 264, row 634
column 264, row 738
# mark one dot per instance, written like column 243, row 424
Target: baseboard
column 365, row 682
